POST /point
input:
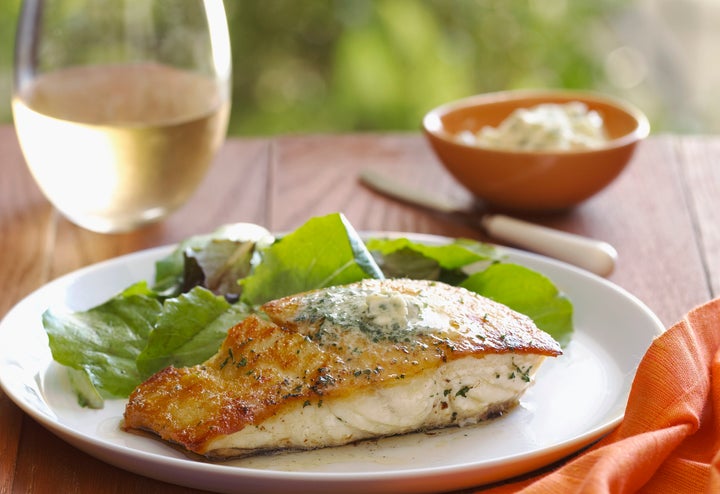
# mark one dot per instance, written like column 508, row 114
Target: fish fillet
column 341, row 364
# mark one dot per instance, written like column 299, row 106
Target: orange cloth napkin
column 669, row 440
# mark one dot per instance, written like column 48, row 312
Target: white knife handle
column 592, row 255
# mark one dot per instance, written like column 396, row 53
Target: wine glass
column 120, row 105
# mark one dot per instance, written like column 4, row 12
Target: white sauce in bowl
column 546, row 127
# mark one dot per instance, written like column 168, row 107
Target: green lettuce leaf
column 325, row 251
column 454, row 255
column 520, row 288
column 188, row 331
column 528, row 292
column 104, row 342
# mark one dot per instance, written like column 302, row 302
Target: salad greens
column 105, row 341
column 211, row 282
column 325, row 251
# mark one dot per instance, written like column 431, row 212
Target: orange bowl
column 532, row 181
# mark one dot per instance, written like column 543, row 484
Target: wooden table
column 662, row 215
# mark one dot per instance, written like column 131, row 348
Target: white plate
column 577, row 398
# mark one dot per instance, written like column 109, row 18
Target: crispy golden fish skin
column 340, row 364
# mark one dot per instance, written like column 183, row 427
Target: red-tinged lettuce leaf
column 404, row 258
column 325, row 251
column 218, row 266
column 215, row 261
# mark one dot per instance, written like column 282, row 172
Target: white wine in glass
column 121, row 105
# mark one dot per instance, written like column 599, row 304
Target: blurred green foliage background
column 358, row 65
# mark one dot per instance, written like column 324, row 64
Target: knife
column 592, row 255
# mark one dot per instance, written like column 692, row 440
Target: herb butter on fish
column 342, row 364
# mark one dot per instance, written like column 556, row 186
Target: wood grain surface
column 662, row 215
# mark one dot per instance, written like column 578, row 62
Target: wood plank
column 25, row 216
column 701, row 174
column 305, row 186
column 24, row 221
column 661, row 215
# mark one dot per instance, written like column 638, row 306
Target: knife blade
column 593, row 255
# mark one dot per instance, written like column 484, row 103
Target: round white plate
column 577, row 398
